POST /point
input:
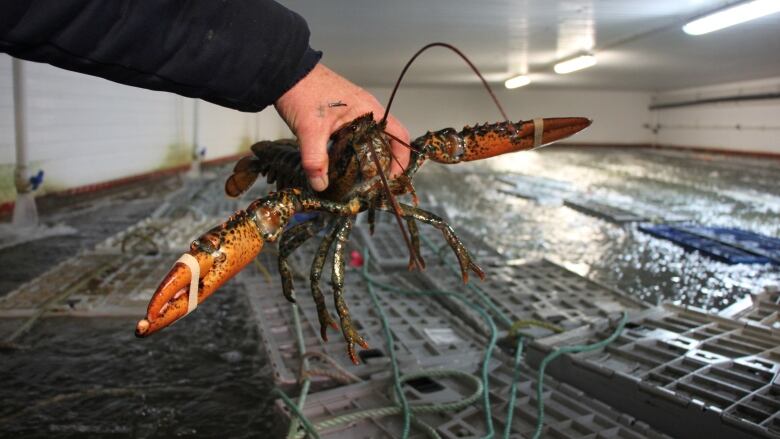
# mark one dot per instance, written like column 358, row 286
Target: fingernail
column 319, row 183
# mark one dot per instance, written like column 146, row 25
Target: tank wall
column 84, row 130
column 747, row 126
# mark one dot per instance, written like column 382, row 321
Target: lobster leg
column 464, row 258
column 291, row 239
column 415, row 237
column 343, row 228
column 316, row 293
column 371, row 218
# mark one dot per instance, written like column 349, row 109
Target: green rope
column 528, row 323
column 307, row 427
column 405, row 409
column 399, row 393
column 568, row 350
column 421, row 408
column 481, row 311
column 477, row 290
column 510, row 409
column 306, row 383
column 304, row 367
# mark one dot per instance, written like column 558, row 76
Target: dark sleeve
column 241, row 54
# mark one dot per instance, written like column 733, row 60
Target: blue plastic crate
column 707, row 246
column 752, row 242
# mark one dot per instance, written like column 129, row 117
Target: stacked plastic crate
column 435, row 331
column 684, row 371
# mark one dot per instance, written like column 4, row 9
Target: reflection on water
column 710, row 190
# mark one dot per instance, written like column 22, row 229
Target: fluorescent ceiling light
column 574, row 64
column 517, row 81
column 731, row 16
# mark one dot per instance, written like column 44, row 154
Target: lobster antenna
column 408, row 146
column 462, row 55
column 397, row 139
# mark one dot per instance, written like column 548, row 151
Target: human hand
column 305, row 109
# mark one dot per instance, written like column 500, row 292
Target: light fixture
column 730, row 16
column 574, row 64
column 517, row 81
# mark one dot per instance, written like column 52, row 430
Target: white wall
column 618, row 116
column 748, row 126
column 84, row 130
column 7, row 190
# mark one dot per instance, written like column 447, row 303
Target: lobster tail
column 244, row 176
column 489, row 140
column 279, row 161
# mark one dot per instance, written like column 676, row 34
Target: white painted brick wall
column 85, row 130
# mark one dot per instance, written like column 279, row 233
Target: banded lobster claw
column 489, row 140
column 219, row 254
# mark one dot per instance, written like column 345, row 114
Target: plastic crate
column 604, row 211
column 423, row 334
column 764, row 309
column 706, row 246
column 688, row 373
column 91, row 285
column 569, row 413
column 539, row 290
column 545, row 191
column 153, row 236
column 755, row 243
column 389, row 251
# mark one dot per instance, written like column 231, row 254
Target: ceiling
column 639, row 44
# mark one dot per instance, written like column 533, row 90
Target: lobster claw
column 489, row 140
column 219, row 255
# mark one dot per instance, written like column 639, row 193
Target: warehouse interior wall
column 742, row 126
column 84, row 130
column 619, row 117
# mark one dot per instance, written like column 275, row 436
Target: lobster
column 359, row 160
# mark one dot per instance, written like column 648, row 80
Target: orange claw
column 490, row 140
column 221, row 253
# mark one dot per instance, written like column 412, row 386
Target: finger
column 314, row 157
column 400, row 151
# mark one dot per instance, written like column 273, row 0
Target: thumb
column 314, row 158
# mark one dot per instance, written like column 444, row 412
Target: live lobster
column 359, row 160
